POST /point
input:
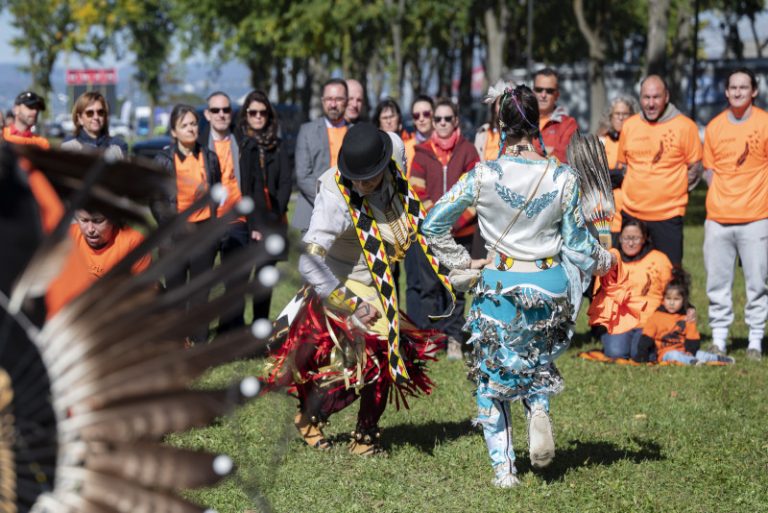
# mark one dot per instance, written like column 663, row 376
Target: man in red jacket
column 556, row 126
column 437, row 165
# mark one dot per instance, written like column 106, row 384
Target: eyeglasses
column 334, row 99
column 548, row 90
column 440, row 119
column 387, row 117
column 418, row 115
column 216, row 110
column 631, row 240
column 252, row 113
column 92, row 112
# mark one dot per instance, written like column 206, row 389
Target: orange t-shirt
column 18, row 139
column 645, row 281
column 99, row 261
column 228, row 178
column 491, row 150
column 410, row 152
column 191, row 184
column 335, row 137
column 85, row 265
column 611, row 153
column 737, row 153
column 669, row 332
column 657, row 156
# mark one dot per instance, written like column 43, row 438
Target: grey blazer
column 313, row 157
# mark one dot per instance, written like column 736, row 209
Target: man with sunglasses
column 660, row 153
column 555, row 125
column 220, row 140
column 26, row 108
column 317, row 148
column 438, row 164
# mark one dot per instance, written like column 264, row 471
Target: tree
column 49, row 27
column 594, row 37
column 656, row 51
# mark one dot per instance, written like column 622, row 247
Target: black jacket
column 277, row 173
column 165, row 208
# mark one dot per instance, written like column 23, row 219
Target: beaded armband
column 343, row 300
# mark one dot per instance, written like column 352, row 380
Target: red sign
column 106, row 76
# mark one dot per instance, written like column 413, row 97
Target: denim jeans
column 689, row 359
column 621, row 345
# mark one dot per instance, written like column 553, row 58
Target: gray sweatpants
column 722, row 242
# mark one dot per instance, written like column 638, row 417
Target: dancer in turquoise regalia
column 540, row 257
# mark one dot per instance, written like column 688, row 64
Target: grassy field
column 629, row 439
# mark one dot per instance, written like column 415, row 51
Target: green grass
column 659, row 439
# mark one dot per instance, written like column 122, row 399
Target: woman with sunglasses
column 526, row 292
column 623, row 303
column 266, row 172
column 195, row 169
column 90, row 115
column 438, row 164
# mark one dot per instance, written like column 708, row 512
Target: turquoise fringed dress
column 526, row 300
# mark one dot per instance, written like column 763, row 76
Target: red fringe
column 309, row 344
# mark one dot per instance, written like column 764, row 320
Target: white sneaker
column 454, row 349
column 506, row 481
column 541, row 443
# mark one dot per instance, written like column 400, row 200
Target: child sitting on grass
column 674, row 338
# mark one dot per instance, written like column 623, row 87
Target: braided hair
column 519, row 115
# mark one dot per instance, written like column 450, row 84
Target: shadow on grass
column 739, row 343
column 581, row 340
column 426, row 436
column 591, row 454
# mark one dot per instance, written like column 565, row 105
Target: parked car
column 54, row 129
column 117, row 128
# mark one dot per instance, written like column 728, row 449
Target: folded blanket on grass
column 596, row 355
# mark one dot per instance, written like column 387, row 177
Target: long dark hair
column 268, row 135
column 647, row 246
column 681, row 282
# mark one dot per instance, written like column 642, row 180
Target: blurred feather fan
column 586, row 155
column 86, row 400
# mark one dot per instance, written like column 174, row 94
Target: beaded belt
column 507, row 263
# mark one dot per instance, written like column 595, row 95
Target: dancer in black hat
column 343, row 336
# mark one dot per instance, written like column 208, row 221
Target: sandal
column 310, row 429
column 366, row 443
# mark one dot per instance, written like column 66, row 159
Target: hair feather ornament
column 586, row 155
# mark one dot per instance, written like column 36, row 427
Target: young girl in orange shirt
column 670, row 331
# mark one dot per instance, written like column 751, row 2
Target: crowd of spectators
column 654, row 152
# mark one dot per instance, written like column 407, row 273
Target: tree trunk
column 465, row 81
column 496, row 20
column 755, row 37
column 656, row 52
column 597, row 95
column 396, row 75
column 682, row 51
column 280, row 80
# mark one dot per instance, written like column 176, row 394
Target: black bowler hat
column 365, row 152
column 31, row 100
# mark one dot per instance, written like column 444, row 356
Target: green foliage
column 629, row 439
column 49, row 27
